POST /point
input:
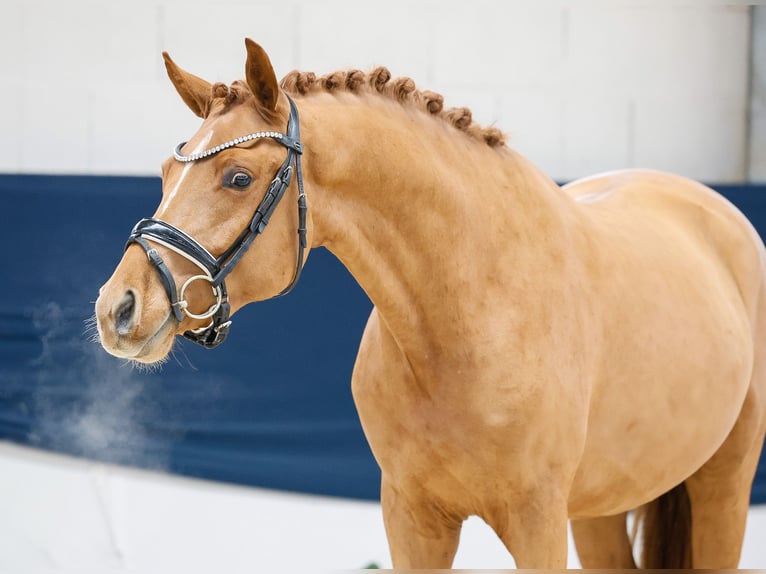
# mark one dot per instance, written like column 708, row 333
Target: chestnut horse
column 534, row 355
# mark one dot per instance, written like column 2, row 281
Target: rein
column 215, row 269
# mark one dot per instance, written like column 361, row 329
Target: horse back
column 694, row 215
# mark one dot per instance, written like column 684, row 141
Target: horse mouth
column 163, row 339
column 154, row 349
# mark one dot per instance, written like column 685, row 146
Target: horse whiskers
column 181, row 349
column 146, row 368
column 90, row 332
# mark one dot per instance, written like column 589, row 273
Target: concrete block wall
column 757, row 122
column 581, row 86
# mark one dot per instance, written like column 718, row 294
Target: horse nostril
column 124, row 315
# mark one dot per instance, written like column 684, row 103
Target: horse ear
column 194, row 91
column 260, row 76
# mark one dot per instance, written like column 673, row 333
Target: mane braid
column 399, row 89
column 237, row 92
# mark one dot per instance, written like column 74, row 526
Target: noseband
column 215, row 269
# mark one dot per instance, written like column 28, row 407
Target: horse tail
column 665, row 530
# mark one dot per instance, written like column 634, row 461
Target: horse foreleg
column 603, row 542
column 534, row 530
column 420, row 533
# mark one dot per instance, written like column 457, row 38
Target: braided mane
column 401, row 89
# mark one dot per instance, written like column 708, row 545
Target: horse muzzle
column 131, row 327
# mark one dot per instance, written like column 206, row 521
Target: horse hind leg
column 701, row 522
column 719, row 491
column 603, row 542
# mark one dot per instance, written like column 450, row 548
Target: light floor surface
column 61, row 514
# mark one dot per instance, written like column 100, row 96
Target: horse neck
column 428, row 220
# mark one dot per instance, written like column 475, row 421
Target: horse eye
column 241, row 180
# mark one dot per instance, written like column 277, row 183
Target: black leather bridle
column 215, row 269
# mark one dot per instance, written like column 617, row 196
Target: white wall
column 581, row 86
column 757, row 136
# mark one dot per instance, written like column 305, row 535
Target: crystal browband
column 285, row 141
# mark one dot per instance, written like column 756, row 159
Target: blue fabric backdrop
column 272, row 407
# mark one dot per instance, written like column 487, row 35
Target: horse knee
column 420, row 533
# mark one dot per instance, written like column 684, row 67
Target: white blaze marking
column 169, row 197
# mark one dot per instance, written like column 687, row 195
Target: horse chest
column 424, row 448
column 471, row 432
column 463, row 445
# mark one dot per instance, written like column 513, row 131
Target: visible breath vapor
column 96, row 407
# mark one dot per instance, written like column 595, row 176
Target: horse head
column 196, row 261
